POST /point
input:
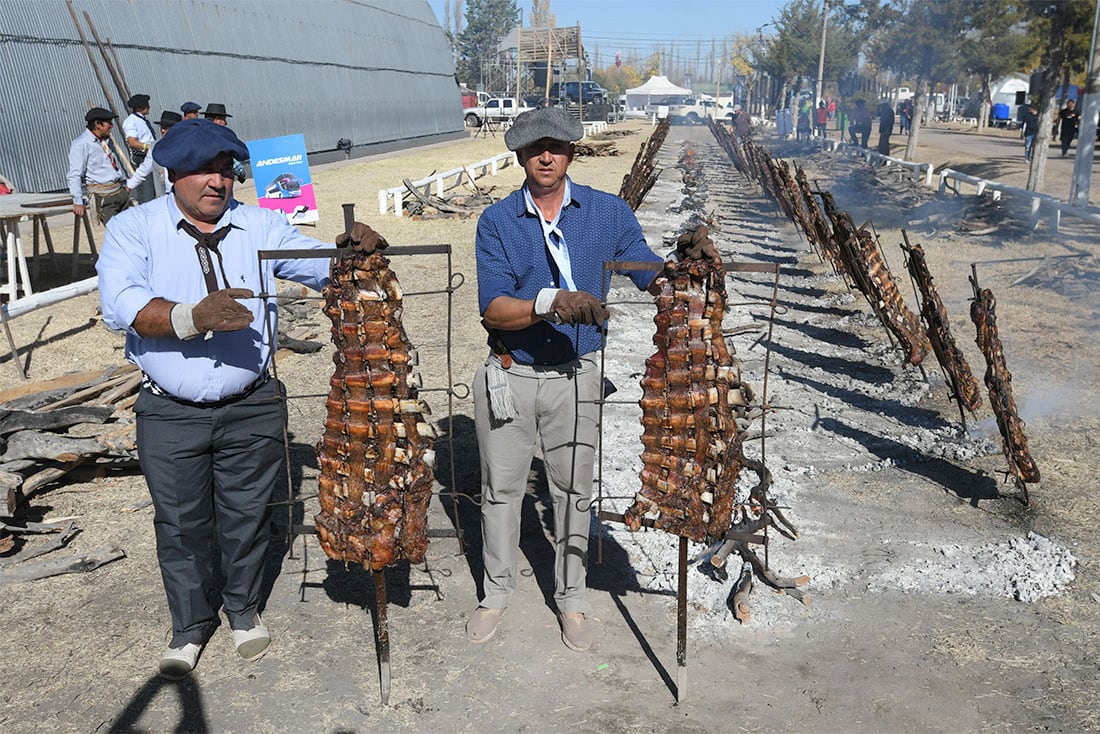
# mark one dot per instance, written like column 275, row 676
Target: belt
column 105, row 189
column 149, row 384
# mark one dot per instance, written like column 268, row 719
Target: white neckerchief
column 551, row 234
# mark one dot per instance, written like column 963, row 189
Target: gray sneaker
column 252, row 643
column 178, row 662
column 576, row 632
column 482, row 624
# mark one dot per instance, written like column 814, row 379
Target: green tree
column 1058, row 25
column 792, row 54
column 995, row 44
column 487, row 23
column 920, row 40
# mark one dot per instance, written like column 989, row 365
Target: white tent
column 652, row 91
column 1004, row 90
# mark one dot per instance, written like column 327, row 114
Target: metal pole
column 349, row 217
column 681, row 624
column 821, row 57
column 1086, row 138
column 382, row 631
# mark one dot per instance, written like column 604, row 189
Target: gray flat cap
column 549, row 122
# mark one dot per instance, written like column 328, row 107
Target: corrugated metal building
column 376, row 72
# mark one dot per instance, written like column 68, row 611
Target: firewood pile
column 644, row 172
column 855, row 254
column 595, row 148
column 458, row 205
column 48, row 429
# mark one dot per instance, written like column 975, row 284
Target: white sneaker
column 178, row 662
column 252, row 643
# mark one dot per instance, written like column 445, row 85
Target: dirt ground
column 905, row 523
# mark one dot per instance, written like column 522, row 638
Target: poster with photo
column 280, row 170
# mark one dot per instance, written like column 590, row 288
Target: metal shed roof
column 379, row 73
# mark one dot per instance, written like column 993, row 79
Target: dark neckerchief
column 206, row 243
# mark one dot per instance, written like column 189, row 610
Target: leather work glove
column 362, row 239
column 579, row 307
column 220, row 311
column 697, row 245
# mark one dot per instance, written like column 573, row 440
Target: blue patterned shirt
column 512, row 260
column 146, row 256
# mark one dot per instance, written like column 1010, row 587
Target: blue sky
column 640, row 25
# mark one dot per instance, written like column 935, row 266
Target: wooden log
column 80, row 396
column 65, row 533
column 74, row 380
column 123, row 389
column 18, row 420
column 44, row 477
column 77, row 563
column 32, row 528
column 49, row 446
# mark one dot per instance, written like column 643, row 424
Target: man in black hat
column 94, row 164
column 140, row 137
column 540, row 254
column 179, row 275
column 166, row 121
column 215, row 112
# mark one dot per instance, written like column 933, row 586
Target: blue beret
column 189, row 107
column 192, row 144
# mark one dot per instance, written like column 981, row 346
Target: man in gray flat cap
column 540, row 255
column 179, row 276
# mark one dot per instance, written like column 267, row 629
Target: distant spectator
column 139, row 138
column 166, row 121
column 802, row 131
column 94, row 164
column 1030, row 120
column 1069, row 119
column 742, row 124
column 861, row 124
column 190, row 110
column 821, row 119
column 831, row 107
column 905, row 114
column 216, row 113
column 885, row 126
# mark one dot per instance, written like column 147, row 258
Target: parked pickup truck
column 695, row 111
column 496, row 109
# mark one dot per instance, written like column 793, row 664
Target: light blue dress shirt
column 146, row 256
column 88, row 162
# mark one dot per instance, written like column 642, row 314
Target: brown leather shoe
column 482, row 624
column 576, row 632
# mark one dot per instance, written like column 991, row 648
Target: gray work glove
column 362, row 239
column 697, row 245
column 579, row 307
column 219, row 311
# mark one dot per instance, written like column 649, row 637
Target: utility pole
column 821, row 58
column 1086, row 138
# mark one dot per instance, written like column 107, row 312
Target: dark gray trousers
column 211, row 469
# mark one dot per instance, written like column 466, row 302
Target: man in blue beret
column 190, row 110
column 179, row 275
column 95, row 164
column 540, row 255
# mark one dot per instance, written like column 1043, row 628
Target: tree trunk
column 919, row 103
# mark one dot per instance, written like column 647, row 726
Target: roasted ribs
column 376, row 453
